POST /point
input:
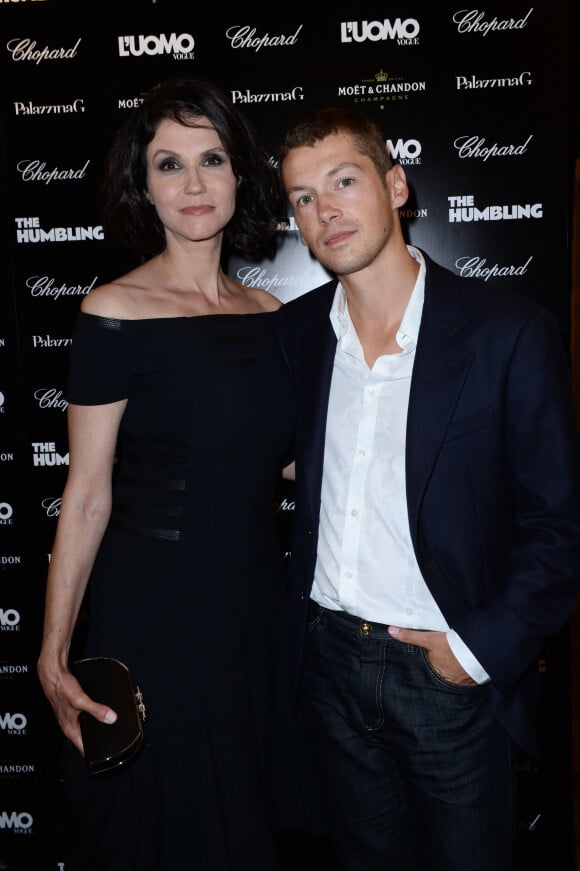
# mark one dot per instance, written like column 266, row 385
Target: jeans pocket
column 448, row 684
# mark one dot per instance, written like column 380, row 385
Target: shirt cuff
column 466, row 659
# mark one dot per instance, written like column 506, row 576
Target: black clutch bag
column 108, row 681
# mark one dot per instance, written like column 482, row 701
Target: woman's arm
column 84, row 514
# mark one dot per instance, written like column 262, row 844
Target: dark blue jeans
column 415, row 772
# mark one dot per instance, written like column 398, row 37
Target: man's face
column 342, row 206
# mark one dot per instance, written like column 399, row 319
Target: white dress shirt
column 366, row 564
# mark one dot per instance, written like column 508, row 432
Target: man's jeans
column 416, row 773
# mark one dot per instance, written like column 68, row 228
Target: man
column 437, row 525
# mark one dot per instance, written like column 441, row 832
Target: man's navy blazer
column 492, row 474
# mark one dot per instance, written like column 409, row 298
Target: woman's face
column 190, row 180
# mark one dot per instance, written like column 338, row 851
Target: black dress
column 188, row 591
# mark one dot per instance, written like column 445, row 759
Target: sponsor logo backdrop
column 474, row 101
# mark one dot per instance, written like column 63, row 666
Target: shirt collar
column 408, row 331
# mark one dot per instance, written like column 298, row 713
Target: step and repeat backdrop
column 474, row 101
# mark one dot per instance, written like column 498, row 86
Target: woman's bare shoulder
column 118, row 298
column 266, row 300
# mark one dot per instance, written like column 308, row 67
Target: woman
column 180, row 416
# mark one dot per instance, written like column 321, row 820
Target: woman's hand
column 68, row 699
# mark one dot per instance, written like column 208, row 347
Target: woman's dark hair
column 366, row 135
column 129, row 215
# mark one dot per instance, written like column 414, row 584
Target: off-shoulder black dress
column 187, row 590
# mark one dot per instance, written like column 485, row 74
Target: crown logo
column 381, row 76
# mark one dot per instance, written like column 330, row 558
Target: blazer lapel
column 441, row 365
column 316, row 356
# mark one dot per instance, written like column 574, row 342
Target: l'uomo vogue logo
column 463, row 209
column 9, row 620
column 405, row 151
column 19, row 822
column 35, row 170
column 180, row 46
column 13, row 724
column 404, row 31
column 26, row 49
column 474, row 21
column 29, row 230
column 6, row 514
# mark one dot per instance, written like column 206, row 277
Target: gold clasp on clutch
column 140, row 705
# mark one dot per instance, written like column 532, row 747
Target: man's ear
column 397, row 185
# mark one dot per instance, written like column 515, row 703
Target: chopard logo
column 34, row 170
column 473, row 21
column 474, row 146
column 474, row 267
column 245, row 37
column 256, row 276
column 50, row 397
column 25, row 49
column 52, row 507
column 43, row 285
